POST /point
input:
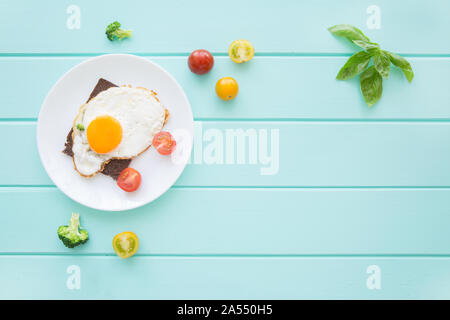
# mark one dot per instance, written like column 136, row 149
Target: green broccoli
column 113, row 32
column 72, row 235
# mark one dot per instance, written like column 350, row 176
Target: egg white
column 138, row 111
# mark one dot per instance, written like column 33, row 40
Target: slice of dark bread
column 115, row 166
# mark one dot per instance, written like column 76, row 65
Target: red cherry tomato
column 200, row 61
column 129, row 179
column 164, row 143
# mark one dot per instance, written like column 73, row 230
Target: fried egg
column 119, row 123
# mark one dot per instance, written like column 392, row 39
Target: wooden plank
column 46, row 277
column 175, row 26
column 270, row 88
column 240, row 221
column 310, row 154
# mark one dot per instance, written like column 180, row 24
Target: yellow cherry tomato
column 125, row 244
column 227, row 88
column 241, row 51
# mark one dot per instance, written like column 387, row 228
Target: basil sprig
column 371, row 79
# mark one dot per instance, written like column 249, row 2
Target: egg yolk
column 104, row 134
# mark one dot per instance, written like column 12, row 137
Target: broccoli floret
column 113, row 31
column 72, row 235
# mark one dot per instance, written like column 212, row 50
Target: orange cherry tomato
column 164, row 143
column 227, row 88
column 129, row 179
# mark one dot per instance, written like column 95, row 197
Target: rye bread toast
column 115, row 166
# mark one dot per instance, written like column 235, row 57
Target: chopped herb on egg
column 80, row 127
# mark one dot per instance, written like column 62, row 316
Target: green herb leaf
column 402, row 63
column 348, row 31
column 366, row 45
column 371, row 80
column 382, row 63
column 371, row 85
column 354, row 65
column 80, row 127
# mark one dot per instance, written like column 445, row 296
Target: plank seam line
column 19, row 186
column 287, row 120
column 215, row 53
column 238, row 256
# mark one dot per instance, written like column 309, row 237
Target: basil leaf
column 371, row 84
column 403, row 64
column 354, row 65
column 382, row 63
column 348, row 31
column 366, row 45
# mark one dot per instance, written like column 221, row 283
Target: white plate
column 61, row 105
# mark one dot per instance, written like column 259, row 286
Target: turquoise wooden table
column 351, row 202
